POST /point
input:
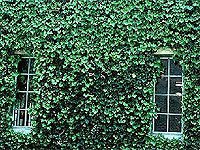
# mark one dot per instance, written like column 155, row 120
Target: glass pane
column 32, row 69
column 161, row 86
column 161, row 103
column 23, row 66
column 175, row 68
column 160, row 124
column 30, row 95
column 165, row 65
column 22, row 118
column 175, row 85
column 174, row 123
column 175, row 104
column 28, row 120
column 22, row 82
column 21, row 100
column 15, row 117
column 31, row 83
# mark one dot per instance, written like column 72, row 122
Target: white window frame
column 168, row 134
column 16, row 110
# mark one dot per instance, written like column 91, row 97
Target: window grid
column 18, row 111
column 168, row 96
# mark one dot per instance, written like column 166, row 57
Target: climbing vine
column 95, row 71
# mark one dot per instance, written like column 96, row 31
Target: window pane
column 174, row 123
column 161, row 102
column 22, row 82
column 22, row 118
column 15, row 117
column 161, row 123
column 23, row 66
column 175, row 69
column 32, row 70
column 175, row 85
column 161, row 86
column 165, row 65
column 175, row 104
column 21, row 100
column 31, row 83
column 28, row 120
column 30, row 95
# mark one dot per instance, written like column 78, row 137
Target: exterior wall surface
column 95, row 68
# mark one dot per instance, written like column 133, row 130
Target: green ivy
column 95, row 71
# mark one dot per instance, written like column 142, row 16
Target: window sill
column 169, row 135
column 22, row 129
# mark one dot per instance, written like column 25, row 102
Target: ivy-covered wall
column 95, row 71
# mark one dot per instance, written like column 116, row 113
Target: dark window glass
column 175, row 104
column 22, row 117
column 175, row 85
column 21, row 100
column 31, row 83
column 32, row 69
column 15, row 116
column 175, row 68
column 174, row 123
column 23, row 66
column 161, row 86
column 22, row 82
column 30, row 99
column 165, row 65
column 161, row 123
column 161, row 102
column 28, row 120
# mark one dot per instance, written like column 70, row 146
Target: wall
column 95, row 71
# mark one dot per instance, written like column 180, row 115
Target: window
column 21, row 116
column 168, row 97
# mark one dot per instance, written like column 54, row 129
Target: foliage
column 95, row 71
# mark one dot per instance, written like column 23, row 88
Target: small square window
column 161, row 123
column 175, row 83
column 21, row 100
column 23, row 65
column 22, row 82
column 175, row 104
column 162, row 85
column 175, row 123
column 161, row 103
column 175, row 68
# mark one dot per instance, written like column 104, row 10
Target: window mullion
column 25, row 120
column 154, row 99
column 168, row 92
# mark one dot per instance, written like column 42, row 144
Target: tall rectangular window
column 21, row 116
column 168, row 97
